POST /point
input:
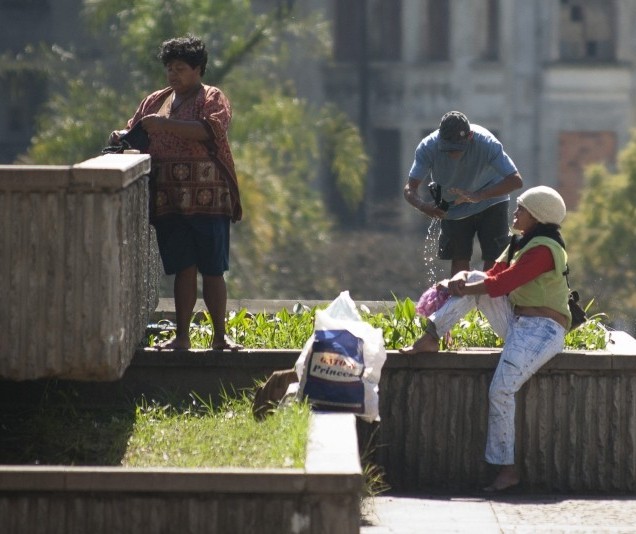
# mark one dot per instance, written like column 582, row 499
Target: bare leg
column 215, row 297
column 185, row 297
column 507, row 478
column 459, row 265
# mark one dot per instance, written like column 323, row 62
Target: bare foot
column 174, row 344
column 227, row 344
column 507, row 478
column 427, row 343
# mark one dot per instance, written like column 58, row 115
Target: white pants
column 529, row 343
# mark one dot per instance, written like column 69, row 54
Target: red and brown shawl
column 192, row 177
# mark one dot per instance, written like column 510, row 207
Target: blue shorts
column 490, row 226
column 201, row 241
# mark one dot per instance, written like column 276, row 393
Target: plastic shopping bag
column 340, row 365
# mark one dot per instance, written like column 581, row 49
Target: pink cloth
column 432, row 300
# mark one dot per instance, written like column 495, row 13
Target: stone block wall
column 575, row 422
column 78, row 268
column 322, row 497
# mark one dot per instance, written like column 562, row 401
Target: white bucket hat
column 544, row 204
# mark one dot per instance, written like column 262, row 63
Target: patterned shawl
column 193, row 177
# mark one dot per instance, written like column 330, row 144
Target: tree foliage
column 280, row 142
column 601, row 234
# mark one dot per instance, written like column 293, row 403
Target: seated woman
column 525, row 298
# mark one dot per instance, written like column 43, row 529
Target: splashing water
column 430, row 252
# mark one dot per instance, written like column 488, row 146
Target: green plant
column 62, row 430
column 202, row 435
column 282, row 330
column 591, row 335
column 400, row 325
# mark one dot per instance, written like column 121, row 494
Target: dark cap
column 454, row 131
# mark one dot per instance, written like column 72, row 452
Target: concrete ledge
column 576, row 417
column 110, row 172
column 78, row 268
column 322, row 497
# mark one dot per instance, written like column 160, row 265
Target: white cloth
column 529, row 343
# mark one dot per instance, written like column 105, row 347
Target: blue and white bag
column 340, row 365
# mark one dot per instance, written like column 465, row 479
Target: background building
column 553, row 79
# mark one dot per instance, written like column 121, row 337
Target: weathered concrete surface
column 78, row 268
column 500, row 514
column 323, row 497
column 576, row 419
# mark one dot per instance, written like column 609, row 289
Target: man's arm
column 507, row 185
column 412, row 196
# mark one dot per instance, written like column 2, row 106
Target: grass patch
column 400, row 325
column 228, row 436
column 60, row 430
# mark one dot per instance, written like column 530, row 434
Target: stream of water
column 429, row 254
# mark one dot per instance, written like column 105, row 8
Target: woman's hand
column 457, row 284
column 456, row 287
column 116, row 136
column 442, row 284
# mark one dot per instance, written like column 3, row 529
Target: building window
column 489, row 47
column 348, row 25
column 587, row 30
column 577, row 150
column 371, row 28
column 387, row 179
column 438, row 30
column 385, row 29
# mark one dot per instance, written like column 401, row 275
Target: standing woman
column 194, row 188
column 525, row 298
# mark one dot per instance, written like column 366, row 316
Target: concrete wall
column 323, row 497
column 576, row 418
column 78, row 268
column 575, row 424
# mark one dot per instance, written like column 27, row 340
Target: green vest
column 548, row 289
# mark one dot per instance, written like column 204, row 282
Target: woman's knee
column 499, row 393
column 505, row 383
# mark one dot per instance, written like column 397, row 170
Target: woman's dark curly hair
column 190, row 49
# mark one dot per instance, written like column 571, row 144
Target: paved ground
column 518, row 514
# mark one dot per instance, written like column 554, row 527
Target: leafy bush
column 401, row 326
